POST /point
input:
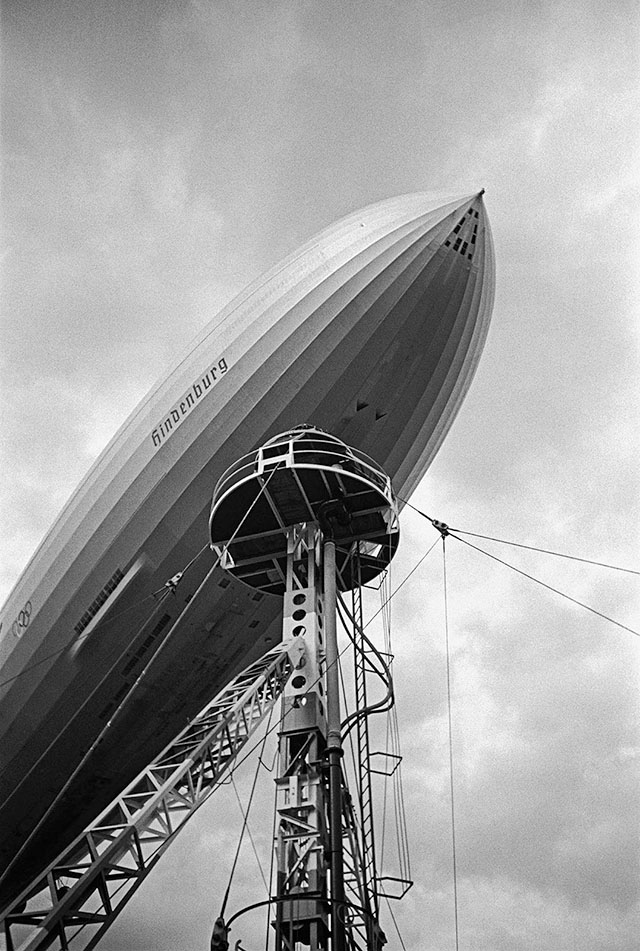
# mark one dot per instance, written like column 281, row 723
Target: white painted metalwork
column 302, row 831
column 326, row 872
column 82, row 892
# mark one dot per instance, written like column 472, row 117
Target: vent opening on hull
column 98, row 609
column 466, row 238
column 95, row 605
column 146, row 644
column 133, row 662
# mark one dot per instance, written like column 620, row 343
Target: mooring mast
column 305, row 517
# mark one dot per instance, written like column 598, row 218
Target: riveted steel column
column 302, row 840
column 334, row 750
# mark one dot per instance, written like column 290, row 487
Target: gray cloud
column 159, row 157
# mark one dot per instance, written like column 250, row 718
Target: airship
column 123, row 624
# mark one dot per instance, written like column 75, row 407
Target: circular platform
column 301, row 476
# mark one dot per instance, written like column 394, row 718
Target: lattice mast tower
column 316, row 517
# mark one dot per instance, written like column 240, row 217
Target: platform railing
column 350, row 461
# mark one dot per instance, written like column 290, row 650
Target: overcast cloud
column 157, row 156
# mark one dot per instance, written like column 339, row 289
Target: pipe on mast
column 334, row 749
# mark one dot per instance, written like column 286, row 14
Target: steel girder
column 82, row 892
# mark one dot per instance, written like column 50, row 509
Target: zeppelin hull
column 371, row 331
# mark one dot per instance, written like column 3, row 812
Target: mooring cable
column 547, row 586
column 403, row 582
column 546, row 551
column 502, row 541
column 455, row 533
column 450, row 722
column 274, row 824
column 245, row 821
column 395, row 923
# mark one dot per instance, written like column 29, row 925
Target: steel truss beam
column 82, row 892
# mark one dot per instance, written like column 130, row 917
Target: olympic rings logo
column 21, row 623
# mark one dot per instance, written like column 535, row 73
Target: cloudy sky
column 158, row 155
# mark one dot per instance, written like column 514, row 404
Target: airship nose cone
column 408, row 291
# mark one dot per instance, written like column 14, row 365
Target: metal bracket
column 441, row 526
column 387, row 756
column 404, row 884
